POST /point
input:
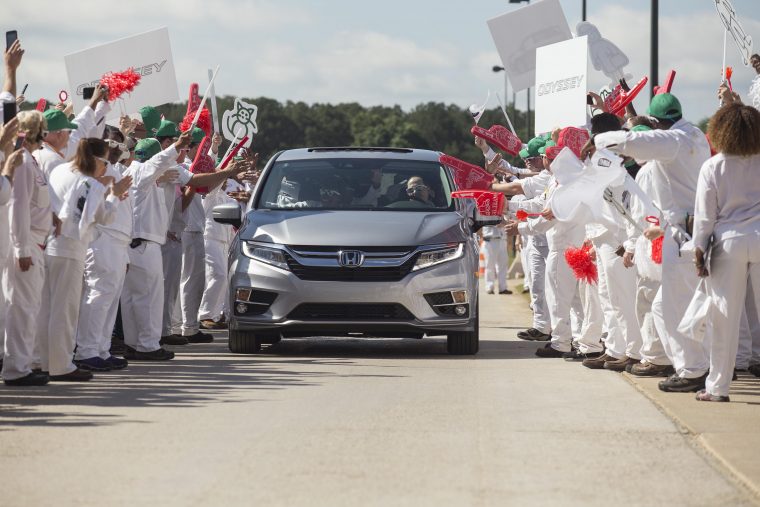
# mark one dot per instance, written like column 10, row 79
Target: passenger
column 418, row 194
column 373, row 192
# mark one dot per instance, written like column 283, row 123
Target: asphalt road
column 353, row 422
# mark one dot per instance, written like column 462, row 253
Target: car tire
column 465, row 343
column 243, row 342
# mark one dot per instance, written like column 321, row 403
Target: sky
column 375, row 53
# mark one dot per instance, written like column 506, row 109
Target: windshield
column 357, row 184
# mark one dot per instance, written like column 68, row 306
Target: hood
column 354, row 228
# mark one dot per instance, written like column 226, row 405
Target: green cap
column 167, row 129
column 57, row 120
column 151, row 118
column 665, row 106
column 542, row 149
column 640, row 128
column 146, row 148
column 198, row 135
column 531, row 149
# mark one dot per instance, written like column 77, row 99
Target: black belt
column 137, row 242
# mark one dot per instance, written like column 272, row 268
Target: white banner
column 561, row 77
column 149, row 53
column 519, row 33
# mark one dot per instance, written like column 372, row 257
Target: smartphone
column 19, row 142
column 9, row 111
column 88, row 92
column 10, row 37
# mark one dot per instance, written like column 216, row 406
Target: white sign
column 519, row 33
column 561, row 76
column 605, row 55
column 149, row 53
column 240, row 122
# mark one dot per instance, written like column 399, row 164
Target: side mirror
column 479, row 221
column 227, row 214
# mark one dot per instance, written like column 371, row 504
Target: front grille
column 340, row 274
column 349, row 311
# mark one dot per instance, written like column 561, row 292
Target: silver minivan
column 354, row 242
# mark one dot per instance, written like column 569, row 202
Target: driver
column 418, row 194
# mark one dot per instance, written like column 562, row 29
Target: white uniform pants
column 621, row 287
column 526, row 242
column 537, row 265
column 749, row 333
column 142, row 299
column 614, row 342
column 561, row 292
column 171, row 254
column 734, row 262
column 59, row 313
column 193, row 280
column 23, row 291
column 105, row 268
column 495, row 251
column 679, row 283
column 4, row 260
column 652, row 350
column 591, row 331
column 214, row 297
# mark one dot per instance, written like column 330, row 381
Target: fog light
column 460, row 310
column 243, row 294
column 241, row 308
column 459, row 296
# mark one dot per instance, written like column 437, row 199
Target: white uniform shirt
column 48, row 159
column 213, row 229
column 30, row 216
column 677, row 154
column 121, row 227
column 5, row 190
column 150, row 213
column 559, row 235
column 728, row 199
column 194, row 215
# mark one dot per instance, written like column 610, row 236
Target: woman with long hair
column 727, row 217
column 30, row 223
column 82, row 196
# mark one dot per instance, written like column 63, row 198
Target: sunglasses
column 116, row 144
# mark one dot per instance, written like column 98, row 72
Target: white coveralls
column 536, row 253
column 749, row 334
column 104, row 272
column 648, row 273
column 143, row 295
column 171, row 255
column 728, row 209
column 30, row 221
column 676, row 155
column 561, row 285
column 5, row 252
column 217, row 238
column 495, row 252
column 80, row 202
column 193, row 267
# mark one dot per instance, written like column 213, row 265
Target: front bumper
column 459, row 274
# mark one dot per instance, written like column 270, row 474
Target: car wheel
column 465, row 343
column 243, row 342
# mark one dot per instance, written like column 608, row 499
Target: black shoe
column 534, row 335
column 576, row 355
column 77, row 375
column 754, row 370
column 129, row 353
column 93, row 364
column 676, row 384
column 548, row 351
column 155, row 355
column 200, row 337
column 33, row 379
column 173, row 339
column 505, row 291
column 117, row 363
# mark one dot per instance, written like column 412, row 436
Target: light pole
column 654, row 63
column 583, row 11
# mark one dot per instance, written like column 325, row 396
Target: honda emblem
column 350, row 258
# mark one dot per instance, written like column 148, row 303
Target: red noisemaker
column 501, row 137
column 63, row 96
column 623, row 97
column 523, row 215
column 41, row 105
column 668, row 83
column 729, row 73
column 119, row 83
column 467, row 176
column 569, row 137
column 193, row 99
column 490, row 204
column 583, row 266
column 656, row 243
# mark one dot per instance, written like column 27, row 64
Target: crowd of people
column 104, row 227
column 684, row 223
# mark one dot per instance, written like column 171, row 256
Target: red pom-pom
column 120, row 82
column 583, row 266
column 657, row 250
column 204, row 121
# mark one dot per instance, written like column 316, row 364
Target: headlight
column 439, row 256
column 271, row 256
